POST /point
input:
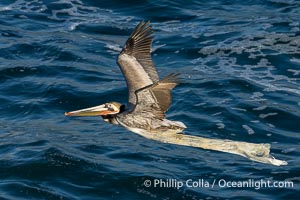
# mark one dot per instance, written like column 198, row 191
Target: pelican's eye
column 110, row 107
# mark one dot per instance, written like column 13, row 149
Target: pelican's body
column 149, row 98
column 140, row 123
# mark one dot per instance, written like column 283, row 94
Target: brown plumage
column 149, row 97
column 138, row 45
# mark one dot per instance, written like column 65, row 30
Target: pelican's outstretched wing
column 135, row 60
column 154, row 100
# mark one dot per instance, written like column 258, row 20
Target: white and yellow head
column 106, row 111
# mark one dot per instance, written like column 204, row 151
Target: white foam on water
column 260, row 107
column 263, row 72
column 248, row 129
column 69, row 13
column 220, row 125
column 263, row 116
column 294, row 71
column 113, row 47
column 33, row 6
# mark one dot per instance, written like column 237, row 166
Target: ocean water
column 240, row 67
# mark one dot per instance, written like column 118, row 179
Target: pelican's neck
column 111, row 119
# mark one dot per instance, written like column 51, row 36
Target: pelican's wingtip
column 277, row 162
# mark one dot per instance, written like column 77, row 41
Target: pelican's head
column 107, row 111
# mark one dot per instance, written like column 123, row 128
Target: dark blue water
column 240, row 64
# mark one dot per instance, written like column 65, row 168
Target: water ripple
column 239, row 64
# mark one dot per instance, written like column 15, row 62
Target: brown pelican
column 149, row 98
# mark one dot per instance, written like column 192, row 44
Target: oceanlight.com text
column 220, row 183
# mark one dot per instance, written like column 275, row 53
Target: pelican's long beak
column 93, row 111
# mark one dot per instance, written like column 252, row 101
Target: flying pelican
column 149, row 98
